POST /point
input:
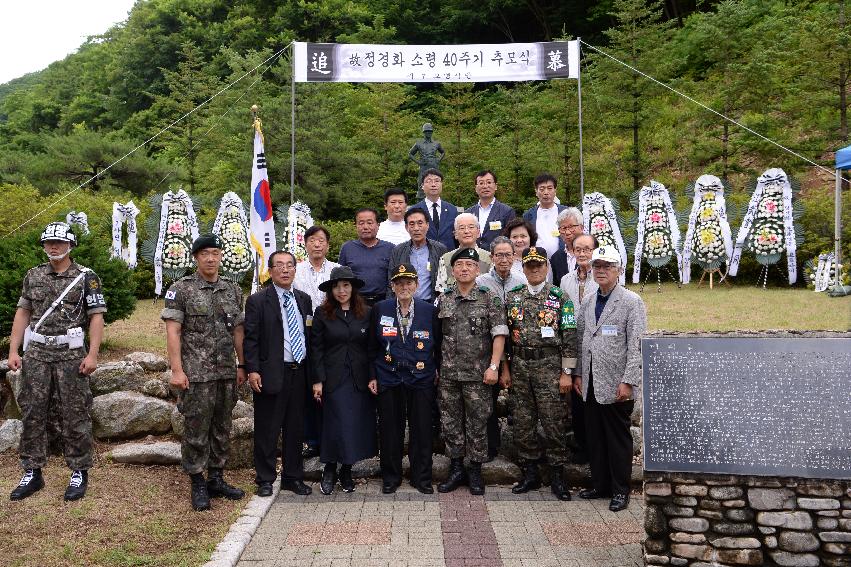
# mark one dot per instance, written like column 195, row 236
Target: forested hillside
column 780, row 67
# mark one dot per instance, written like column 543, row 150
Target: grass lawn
column 131, row 516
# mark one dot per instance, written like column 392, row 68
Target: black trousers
column 609, row 443
column 577, row 409
column 277, row 416
column 396, row 405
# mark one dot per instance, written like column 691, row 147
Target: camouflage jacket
column 208, row 314
column 469, row 324
column 543, row 320
column 42, row 286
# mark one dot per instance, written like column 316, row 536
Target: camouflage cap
column 535, row 254
column 464, row 254
column 403, row 271
column 206, row 241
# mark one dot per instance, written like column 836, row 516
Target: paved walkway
column 409, row 529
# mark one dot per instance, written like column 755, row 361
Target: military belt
column 49, row 340
column 535, row 353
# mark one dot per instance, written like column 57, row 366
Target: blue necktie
column 296, row 342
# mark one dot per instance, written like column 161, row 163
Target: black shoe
column 31, row 482
column 457, row 476
column 77, row 485
column 329, row 479
column 200, row 496
column 531, row 480
column 619, row 502
column 296, row 486
column 217, row 487
column 264, row 489
column 591, row 494
column 309, row 452
column 389, row 487
column 477, row 485
column 423, row 487
column 347, row 483
column 492, row 453
column 557, row 484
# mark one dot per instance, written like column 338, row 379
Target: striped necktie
column 296, row 342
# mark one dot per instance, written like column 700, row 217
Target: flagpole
column 292, row 129
column 581, row 158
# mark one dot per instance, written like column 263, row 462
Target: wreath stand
column 658, row 270
column 721, row 277
column 763, row 274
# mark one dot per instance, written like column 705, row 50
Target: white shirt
column 483, row 215
column 288, row 351
column 428, row 204
column 307, row 279
column 547, row 229
column 393, row 231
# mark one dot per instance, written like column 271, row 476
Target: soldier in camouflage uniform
column 474, row 331
column 543, row 350
column 203, row 316
column 56, row 359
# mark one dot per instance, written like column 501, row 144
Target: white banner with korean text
column 472, row 63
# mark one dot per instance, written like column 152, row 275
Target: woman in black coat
column 341, row 378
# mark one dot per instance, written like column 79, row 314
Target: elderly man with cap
column 204, row 329
column 474, row 331
column 404, row 347
column 59, row 299
column 543, row 357
column 611, row 324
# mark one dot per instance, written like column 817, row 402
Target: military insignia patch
column 420, row 365
column 568, row 317
column 515, row 336
column 93, row 284
column 420, row 345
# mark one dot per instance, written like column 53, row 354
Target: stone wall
column 704, row 520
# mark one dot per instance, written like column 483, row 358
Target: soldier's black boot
column 457, row 476
column 77, row 485
column 217, row 487
column 477, row 485
column 200, row 496
column 531, row 479
column 557, row 483
column 31, row 482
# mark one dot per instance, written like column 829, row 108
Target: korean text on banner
column 364, row 63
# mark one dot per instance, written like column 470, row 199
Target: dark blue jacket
column 500, row 214
column 412, row 362
column 531, row 216
column 446, row 234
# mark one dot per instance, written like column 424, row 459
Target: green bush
column 20, row 252
column 341, row 231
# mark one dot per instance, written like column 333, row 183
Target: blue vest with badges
column 409, row 361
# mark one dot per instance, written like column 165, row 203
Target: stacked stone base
column 703, row 520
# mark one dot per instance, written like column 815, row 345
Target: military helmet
column 58, row 231
column 427, row 127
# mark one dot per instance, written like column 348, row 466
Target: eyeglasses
column 603, row 266
column 282, row 266
column 582, row 250
column 569, row 226
column 502, row 255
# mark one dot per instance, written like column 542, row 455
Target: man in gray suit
column 611, row 325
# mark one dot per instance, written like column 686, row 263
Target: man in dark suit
column 441, row 213
column 544, row 216
column 420, row 252
column 276, row 344
column 492, row 215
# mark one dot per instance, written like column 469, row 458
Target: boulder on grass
column 124, row 415
column 158, row 453
column 117, row 376
column 10, row 434
column 14, row 381
column 177, row 422
column 156, row 388
column 241, row 453
column 148, row 361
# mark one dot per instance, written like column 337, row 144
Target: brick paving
column 409, row 529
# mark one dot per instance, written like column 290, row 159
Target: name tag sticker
column 610, row 331
column 547, row 332
column 308, row 321
column 495, row 225
column 428, row 266
column 420, row 334
column 389, row 332
column 386, row 321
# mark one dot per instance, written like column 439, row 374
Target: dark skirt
column 348, row 424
